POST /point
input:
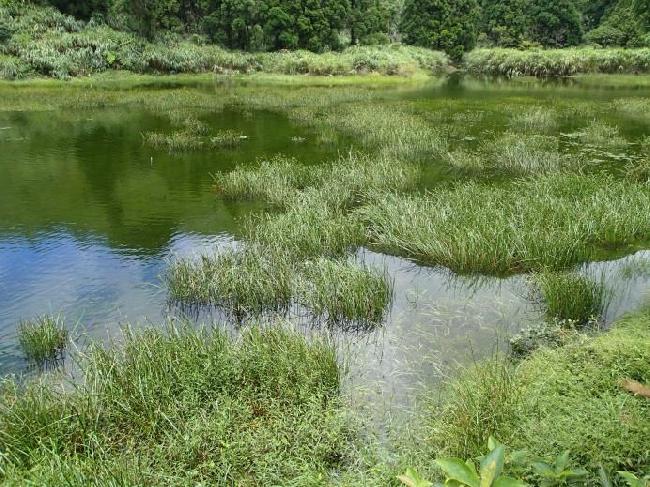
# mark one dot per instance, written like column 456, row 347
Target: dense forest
column 454, row 26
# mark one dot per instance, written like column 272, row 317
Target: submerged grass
column 552, row 402
column 183, row 406
column 550, row 222
column 43, row 340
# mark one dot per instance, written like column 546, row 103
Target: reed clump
column 535, row 120
column 527, row 154
column 43, row 340
column 178, row 141
column 226, row 139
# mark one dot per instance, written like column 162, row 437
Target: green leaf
column 412, row 479
column 543, row 469
column 562, row 461
column 492, row 466
column 456, row 469
column 632, row 480
column 508, row 482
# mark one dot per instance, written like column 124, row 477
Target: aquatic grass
column 539, row 120
column 43, row 340
column 244, row 282
column 226, row 139
column 181, row 405
column 178, row 141
column 572, row 297
column 552, row 221
column 601, row 135
column 527, row 154
column 344, row 293
column 274, row 181
column 195, row 127
column 307, row 229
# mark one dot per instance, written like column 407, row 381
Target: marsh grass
column 275, row 181
column 309, row 228
column 43, row 340
column 344, row 293
column 527, row 154
column 226, row 139
column 195, row 127
column 602, row 135
column 536, row 120
column 244, row 282
column 178, row 141
column 180, row 406
column 572, row 297
column 550, row 222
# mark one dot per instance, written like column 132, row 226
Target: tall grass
column 572, row 297
column 602, row 135
column 550, row 222
column 536, row 120
column 183, row 406
column 556, row 62
column 527, row 154
column 43, row 340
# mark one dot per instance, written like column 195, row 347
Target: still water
column 90, row 218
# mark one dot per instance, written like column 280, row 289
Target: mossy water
column 92, row 214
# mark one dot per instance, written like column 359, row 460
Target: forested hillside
column 95, row 35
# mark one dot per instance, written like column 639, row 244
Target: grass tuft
column 572, row 297
column 43, row 340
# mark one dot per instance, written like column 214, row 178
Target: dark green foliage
column 554, row 23
column 448, row 25
column 624, row 25
column 503, row 22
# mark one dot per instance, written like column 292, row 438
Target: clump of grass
column 227, row 139
column 193, row 406
column 550, row 222
column 571, row 296
column 195, row 127
column 275, row 181
column 244, row 282
column 526, row 154
column 309, row 228
column 581, row 397
column 465, row 160
column 43, row 340
column 538, row 120
column 549, row 334
column 175, row 142
column 343, row 293
column 602, row 135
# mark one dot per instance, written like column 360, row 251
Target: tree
column 448, row 25
column 503, row 21
column 554, row 23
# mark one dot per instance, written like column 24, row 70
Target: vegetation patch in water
column 549, row 222
column 567, row 296
column 343, row 293
column 43, row 340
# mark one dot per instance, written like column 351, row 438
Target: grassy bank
column 569, row 398
column 557, row 62
column 181, row 407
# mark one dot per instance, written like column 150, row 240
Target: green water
column 90, row 217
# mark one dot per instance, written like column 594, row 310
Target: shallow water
column 90, row 218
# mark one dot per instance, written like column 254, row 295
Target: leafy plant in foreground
column 559, row 472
